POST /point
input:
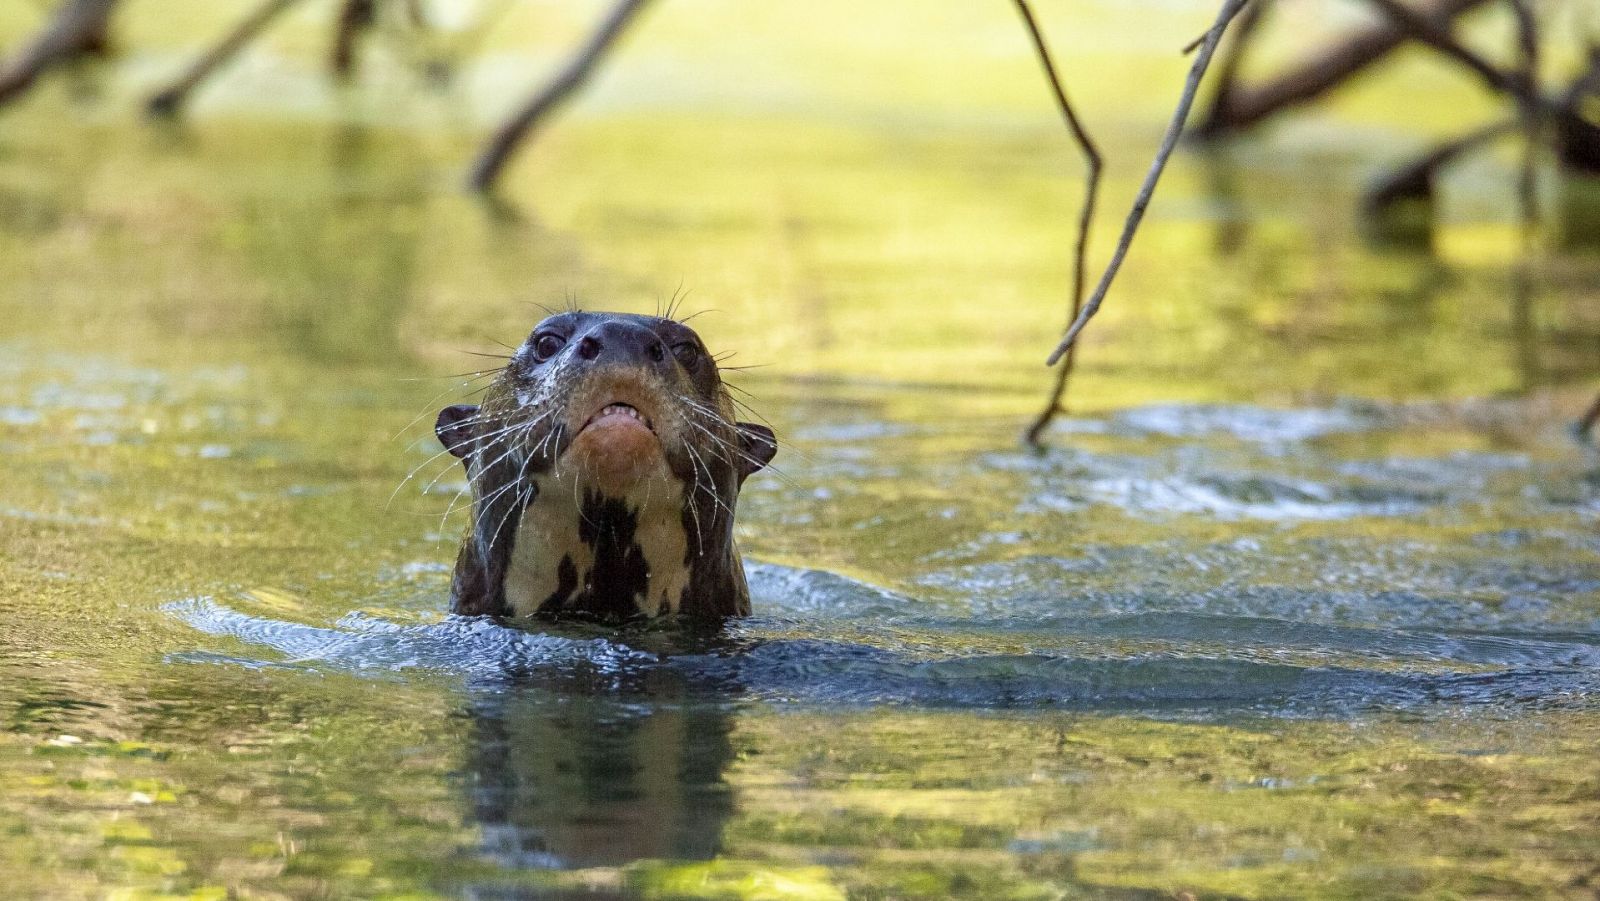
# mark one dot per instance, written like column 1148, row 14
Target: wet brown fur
column 518, row 446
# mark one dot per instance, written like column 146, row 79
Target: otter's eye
column 687, row 353
column 547, row 346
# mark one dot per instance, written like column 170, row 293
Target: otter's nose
column 620, row 343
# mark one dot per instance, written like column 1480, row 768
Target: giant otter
column 605, row 463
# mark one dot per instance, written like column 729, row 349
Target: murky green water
column 1305, row 601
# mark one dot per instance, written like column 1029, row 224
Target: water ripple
column 878, row 648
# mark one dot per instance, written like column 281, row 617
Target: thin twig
column 170, row 101
column 517, row 129
column 1092, row 157
column 1197, row 71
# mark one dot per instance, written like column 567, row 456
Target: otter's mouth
column 618, row 413
column 617, row 445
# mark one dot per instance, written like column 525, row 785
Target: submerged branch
column 1197, row 71
column 1091, row 191
column 1414, row 181
column 169, row 102
column 516, row 130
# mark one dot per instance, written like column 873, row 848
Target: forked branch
column 1197, row 71
column 1239, row 106
column 1091, row 191
column 1439, row 37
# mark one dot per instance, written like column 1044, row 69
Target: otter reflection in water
column 605, row 464
column 575, row 775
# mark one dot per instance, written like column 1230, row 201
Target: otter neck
column 610, row 553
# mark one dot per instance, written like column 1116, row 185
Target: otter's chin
column 615, row 451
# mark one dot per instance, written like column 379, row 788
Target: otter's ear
column 454, row 428
column 759, row 446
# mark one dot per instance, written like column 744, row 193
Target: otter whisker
column 481, row 508
column 485, row 505
column 678, row 296
column 549, row 437
column 482, row 504
column 412, row 474
column 474, row 477
column 435, row 399
column 577, row 501
column 685, row 320
column 694, row 513
column 512, row 442
column 717, row 419
column 718, row 440
column 429, row 487
column 708, row 486
column 521, row 501
column 474, row 374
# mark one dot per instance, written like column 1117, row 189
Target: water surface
column 1304, row 600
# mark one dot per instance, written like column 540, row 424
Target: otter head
column 605, row 464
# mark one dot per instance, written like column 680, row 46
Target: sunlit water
column 1269, row 618
column 1304, row 599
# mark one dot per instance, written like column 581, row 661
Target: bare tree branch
column 1197, row 71
column 516, row 130
column 355, row 17
column 1091, row 155
column 77, row 28
column 170, row 101
column 1247, row 106
column 1439, row 37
